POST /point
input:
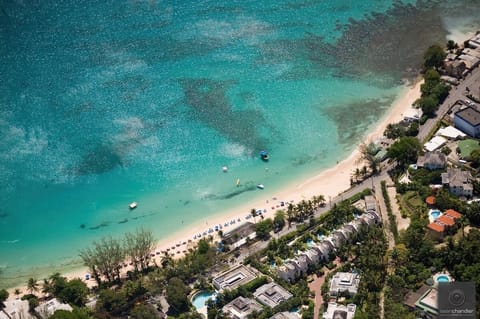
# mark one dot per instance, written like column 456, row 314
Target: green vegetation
column 391, row 218
column 405, row 150
column 433, row 57
column 467, row 147
column 107, row 256
column 434, row 92
column 394, row 131
column 264, row 228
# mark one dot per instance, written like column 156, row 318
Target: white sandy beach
column 328, row 183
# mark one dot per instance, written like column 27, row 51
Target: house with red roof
column 436, row 229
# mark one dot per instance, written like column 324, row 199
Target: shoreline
column 339, row 181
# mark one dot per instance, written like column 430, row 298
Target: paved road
column 472, row 81
column 373, row 181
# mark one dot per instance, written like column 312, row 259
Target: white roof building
column 48, row 308
column 241, row 307
column 16, row 309
column 336, row 311
column 451, row 133
column 435, row 143
column 344, row 282
column 271, row 294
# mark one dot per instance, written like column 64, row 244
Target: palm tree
column 17, row 292
column 290, row 214
column 32, row 285
column 48, row 286
column 253, row 212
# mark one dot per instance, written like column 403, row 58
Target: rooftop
column 271, row 294
column 470, row 115
column 285, row 315
column 445, row 220
column 335, row 311
column 370, row 203
column 344, row 281
column 48, row 308
column 234, row 277
column 431, row 200
column 428, row 302
column 242, row 231
column 436, row 227
column 241, row 307
column 453, row 213
column 412, row 297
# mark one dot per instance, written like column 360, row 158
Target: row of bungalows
column 292, row 269
column 459, row 65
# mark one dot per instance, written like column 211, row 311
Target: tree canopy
column 405, row 150
column 434, row 56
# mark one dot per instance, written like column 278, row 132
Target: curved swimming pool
column 200, row 299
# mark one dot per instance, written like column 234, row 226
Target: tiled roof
column 445, row 220
column 431, row 200
column 453, row 213
column 436, row 227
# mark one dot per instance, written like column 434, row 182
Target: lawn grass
column 467, row 147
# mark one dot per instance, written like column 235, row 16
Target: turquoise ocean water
column 107, row 102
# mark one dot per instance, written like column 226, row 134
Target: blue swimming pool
column 434, row 214
column 443, row 278
column 200, row 299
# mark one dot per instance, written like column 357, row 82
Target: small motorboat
column 264, row 155
column 260, row 186
column 133, row 205
column 225, row 169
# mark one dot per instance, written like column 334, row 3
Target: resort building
column 468, row 121
column 324, row 249
column 285, row 315
column 338, row 238
column 370, row 218
column 288, row 271
column 458, row 182
column 312, row 255
column 238, row 236
column 432, row 160
column 234, row 277
column 344, row 282
column 337, row 311
column 271, row 294
column 240, row 308
column 301, row 262
column 47, row 309
column 16, row 309
column 348, row 231
column 439, row 226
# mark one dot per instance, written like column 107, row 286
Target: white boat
column 225, row 169
column 260, row 186
column 133, row 205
